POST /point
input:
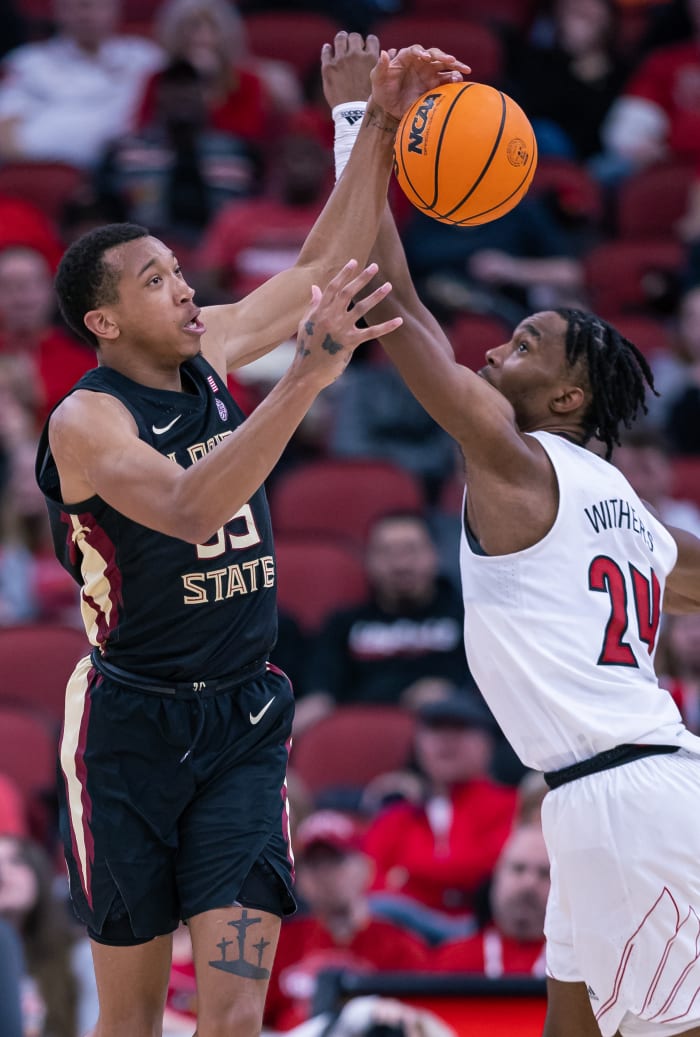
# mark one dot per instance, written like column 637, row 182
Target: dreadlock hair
column 84, row 281
column 618, row 375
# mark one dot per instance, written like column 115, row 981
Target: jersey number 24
column 605, row 575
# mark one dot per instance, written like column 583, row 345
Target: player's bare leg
column 569, row 1013
column 234, row 949
column 132, row 984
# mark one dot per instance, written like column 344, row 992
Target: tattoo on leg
column 330, row 345
column 239, row 966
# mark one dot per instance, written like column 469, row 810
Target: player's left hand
column 399, row 77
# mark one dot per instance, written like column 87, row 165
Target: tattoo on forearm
column 239, row 966
column 309, row 327
column 331, row 346
column 382, row 121
column 302, row 350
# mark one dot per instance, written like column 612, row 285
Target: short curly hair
column 85, row 281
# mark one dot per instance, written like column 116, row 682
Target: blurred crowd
column 205, row 121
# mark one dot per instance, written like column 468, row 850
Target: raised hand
column 346, row 65
column 400, row 77
column 328, row 334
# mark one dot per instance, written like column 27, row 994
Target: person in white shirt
column 564, row 574
column 64, row 99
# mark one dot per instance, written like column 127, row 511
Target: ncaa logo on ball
column 516, row 152
column 418, row 133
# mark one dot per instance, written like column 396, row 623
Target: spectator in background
column 11, row 971
column 66, row 97
column 644, row 460
column 175, row 175
column 52, row 360
column 338, row 929
column 210, row 34
column 408, row 629
column 679, row 663
column 673, row 368
column 567, row 74
column 657, row 116
column 682, row 425
column 510, row 939
column 252, row 241
column 18, row 593
column 433, row 851
column 57, row 956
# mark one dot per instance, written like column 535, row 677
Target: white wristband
column 347, row 118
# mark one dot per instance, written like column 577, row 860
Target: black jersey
column 154, row 604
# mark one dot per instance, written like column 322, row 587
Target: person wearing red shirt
column 439, row 849
column 339, row 930
column 54, row 360
column 210, row 34
column 658, row 114
column 512, row 942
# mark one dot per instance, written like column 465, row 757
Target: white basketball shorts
column 624, row 910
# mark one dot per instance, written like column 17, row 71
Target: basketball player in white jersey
column 565, row 572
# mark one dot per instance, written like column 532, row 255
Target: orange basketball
column 465, row 153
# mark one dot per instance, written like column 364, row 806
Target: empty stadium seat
column 472, row 334
column 352, row 745
column 295, row 37
column 316, row 576
column 471, row 41
column 36, row 662
column 28, row 751
column 341, row 498
column 626, row 275
column 650, row 202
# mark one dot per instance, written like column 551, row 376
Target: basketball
column 465, row 153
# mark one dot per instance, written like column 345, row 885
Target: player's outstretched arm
column 683, row 584
column 191, row 504
column 466, row 406
column 346, row 228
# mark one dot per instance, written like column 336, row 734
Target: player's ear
column 570, row 398
column 101, row 324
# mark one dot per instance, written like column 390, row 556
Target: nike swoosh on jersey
column 166, row 428
column 255, row 718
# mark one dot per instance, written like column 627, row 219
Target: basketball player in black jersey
column 174, row 748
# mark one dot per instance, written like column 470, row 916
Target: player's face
column 531, row 370
column 155, row 308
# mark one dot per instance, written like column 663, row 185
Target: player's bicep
column 113, row 463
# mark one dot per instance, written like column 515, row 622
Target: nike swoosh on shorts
column 255, row 718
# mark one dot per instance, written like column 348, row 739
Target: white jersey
column 561, row 637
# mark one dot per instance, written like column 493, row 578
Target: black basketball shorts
column 167, row 801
